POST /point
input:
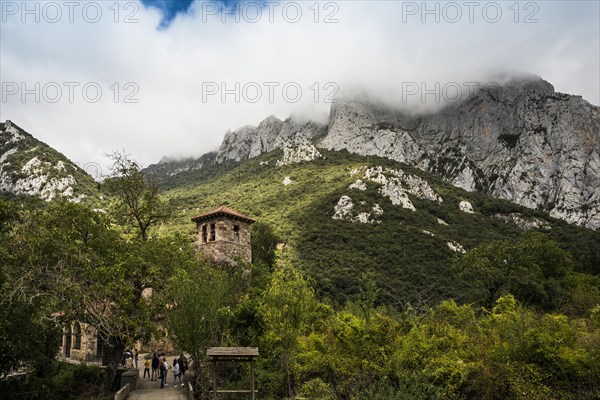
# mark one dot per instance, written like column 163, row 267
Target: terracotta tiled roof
column 223, row 210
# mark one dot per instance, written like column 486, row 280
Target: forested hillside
column 410, row 252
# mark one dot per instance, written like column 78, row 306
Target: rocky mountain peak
column 271, row 134
column 11, row 132
column 513, row 87
column 30, row 167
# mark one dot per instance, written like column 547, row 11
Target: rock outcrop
column 170, row 167
column 270, row 134
column 397, row 185
column 294, row 153
column 344, row 210
column 456, row 247
column 371, row 129
column 523, row 222
column 466, row 206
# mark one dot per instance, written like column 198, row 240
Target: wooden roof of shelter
column 232, row 352
column 223, row 211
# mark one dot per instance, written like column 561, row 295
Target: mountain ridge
column 520, row 141
column 31, row 167
column 340, row 214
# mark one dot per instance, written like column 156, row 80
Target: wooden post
column 215, row 377
column 252, row 378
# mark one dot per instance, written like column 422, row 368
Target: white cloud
column 371, row 48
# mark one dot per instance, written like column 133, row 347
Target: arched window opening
column 213, row 232
column 77, row 334
column 67, row 346
column 204, row 234
column 236, row 233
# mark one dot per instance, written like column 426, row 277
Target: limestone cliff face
column 365, row 128
column 522, row 142
column 271, row 134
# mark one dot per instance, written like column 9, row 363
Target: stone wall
column 221, row 252
column 231, row 239
column 123, row 393
column 84, row 349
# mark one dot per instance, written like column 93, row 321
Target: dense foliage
column 58, row 381
column 450, row 351
column 410, row 266
column 533, row 268
column 339, row 310
column 68, row 263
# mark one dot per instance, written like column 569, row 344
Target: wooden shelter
column 233, row 354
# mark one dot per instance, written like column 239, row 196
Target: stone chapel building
column 224, row 235
column 81, row 342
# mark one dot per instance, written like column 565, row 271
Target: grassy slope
column 410, row 265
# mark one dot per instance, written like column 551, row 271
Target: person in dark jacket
column 164, row 368
column 183, row 364
column 155, row 365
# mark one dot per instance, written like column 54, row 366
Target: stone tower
column 224, row 235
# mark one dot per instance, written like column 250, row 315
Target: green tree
column 27, row 337
column 70, row 261
column 533, row 268
column 197, row 300
column 288, row 304
column 368, row 294
column 138, row 195
column 264, row 243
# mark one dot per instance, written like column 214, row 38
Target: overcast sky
column 171, row 77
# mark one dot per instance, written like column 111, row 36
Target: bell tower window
column 236, row 233
column 213, row 232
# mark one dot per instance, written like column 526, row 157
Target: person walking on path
column 136, row 358
column 183, row 364
column 147, row 368
column 164, row 368
column 155, row 365
column 176, row 373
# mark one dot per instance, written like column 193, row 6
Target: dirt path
column 150, row 390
